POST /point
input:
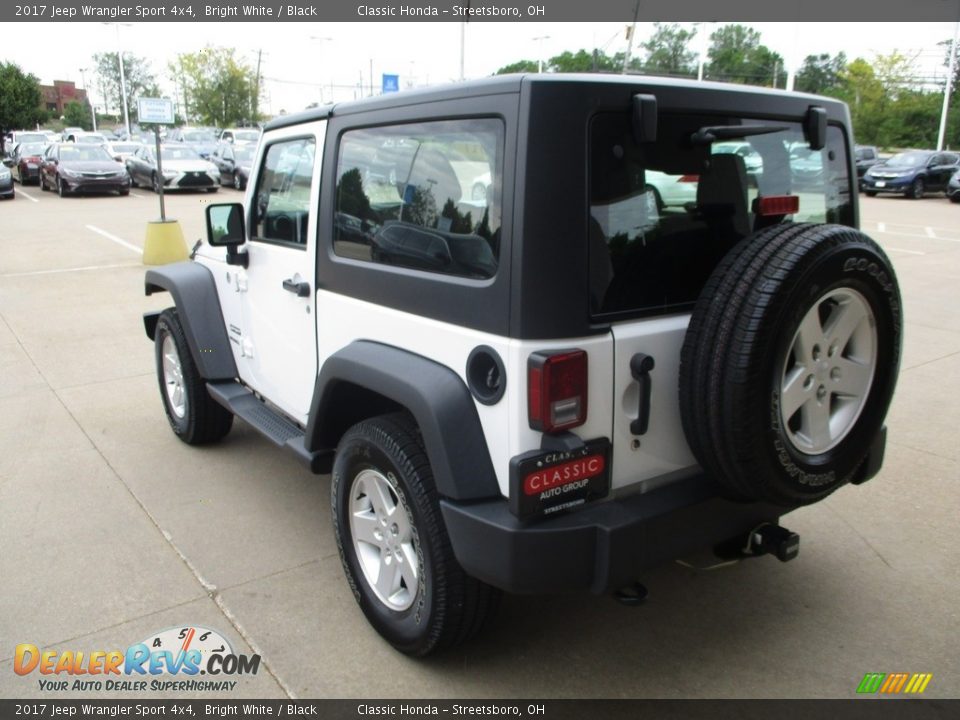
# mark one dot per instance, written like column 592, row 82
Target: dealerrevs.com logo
column 171, row 660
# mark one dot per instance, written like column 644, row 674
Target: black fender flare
column 367, row 378
column 194, row 292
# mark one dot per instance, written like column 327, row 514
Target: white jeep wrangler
column 543, row 331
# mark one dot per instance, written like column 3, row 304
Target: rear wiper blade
column 711, row 133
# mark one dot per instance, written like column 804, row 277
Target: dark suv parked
column 912, row 173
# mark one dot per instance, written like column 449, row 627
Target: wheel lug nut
column 808, row 383
column 835, row 373
column 833, row 350
column 821, row 393
column 816, row 352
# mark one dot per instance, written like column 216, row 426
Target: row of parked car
column 912, row 174
column 190, row 159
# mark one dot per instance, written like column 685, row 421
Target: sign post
column 158, row 111
column 164, row 242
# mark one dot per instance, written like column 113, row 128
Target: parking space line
column 922, row 237
column 27, row 195
column 67, row 270
column 930, row 232
column 910, row 252
column 881, row 227
column 114, row 238
column 139, row 195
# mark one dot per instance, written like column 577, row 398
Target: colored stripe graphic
column 894, row 683
column 918, row 683
column 871, row 682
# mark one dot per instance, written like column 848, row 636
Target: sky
column 316, row 62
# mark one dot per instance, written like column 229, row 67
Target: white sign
column 155, row 110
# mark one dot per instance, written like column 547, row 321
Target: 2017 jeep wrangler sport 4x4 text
column 543, row 331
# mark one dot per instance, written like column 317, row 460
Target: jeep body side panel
column 195, row 294
column 550, row 286
column 435, row 396
column 471, row 303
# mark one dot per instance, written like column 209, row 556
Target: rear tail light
column 557, row 390
column 778, row 205
column 689, row 178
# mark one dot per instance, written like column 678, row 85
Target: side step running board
column 274, row 426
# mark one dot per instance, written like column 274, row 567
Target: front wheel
column 155, row 182
column 194, row 416
column 916, row 189
column 237, row 182
column 393, row 544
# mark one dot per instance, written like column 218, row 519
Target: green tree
column 520, row 66
column 75, row 114
column 218, row 88
column 138, row 80
column 860, row 88
column 20, row 106
column 668, row 50
column 737, row 55
column 821, row 74
column 581, row 61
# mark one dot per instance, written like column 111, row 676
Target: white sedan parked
column 182, row 169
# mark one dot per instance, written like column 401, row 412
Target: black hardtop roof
column 500, row 84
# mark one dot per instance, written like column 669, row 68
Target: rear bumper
column 600, row 547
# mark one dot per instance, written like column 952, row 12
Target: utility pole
column 630, row 33
column 255, row 109
column 539, row 40
column 951, row 71
column 93, row 110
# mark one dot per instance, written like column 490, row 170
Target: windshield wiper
column 712, row 133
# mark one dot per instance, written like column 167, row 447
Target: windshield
column 909, row 159
column 179, row 153
column 247, row 135
column 200, row 137
column 33, row 148
column 72, row 153
column 91, row 139
column 125, row 147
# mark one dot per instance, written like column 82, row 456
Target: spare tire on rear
column 790, row 362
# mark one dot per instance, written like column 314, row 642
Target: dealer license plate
column 545, row 482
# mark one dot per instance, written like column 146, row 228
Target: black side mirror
column 225, row 228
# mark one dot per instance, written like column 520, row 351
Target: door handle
column 300, row 289
column 640, row 367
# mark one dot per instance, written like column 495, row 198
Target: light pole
column 951, row 71
column 93, row 110
column 539, row 41
column 324, row 39
column 123, row 81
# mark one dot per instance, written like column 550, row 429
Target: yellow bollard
column 164, row 243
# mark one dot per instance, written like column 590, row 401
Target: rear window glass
column 424, row 196
column 663, row 214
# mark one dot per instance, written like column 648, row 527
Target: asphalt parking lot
column 112, row 530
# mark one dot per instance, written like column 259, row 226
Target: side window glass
column 282, row 207
column 424, row 196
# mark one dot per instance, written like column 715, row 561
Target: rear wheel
column 393, row 543
column 43, row 185
column 871, row 193
column 790, row 362
column 61, row 188
column 237, row 182
column 195, row 417
column 155, row 182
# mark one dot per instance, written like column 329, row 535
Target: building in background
column 62, row 92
